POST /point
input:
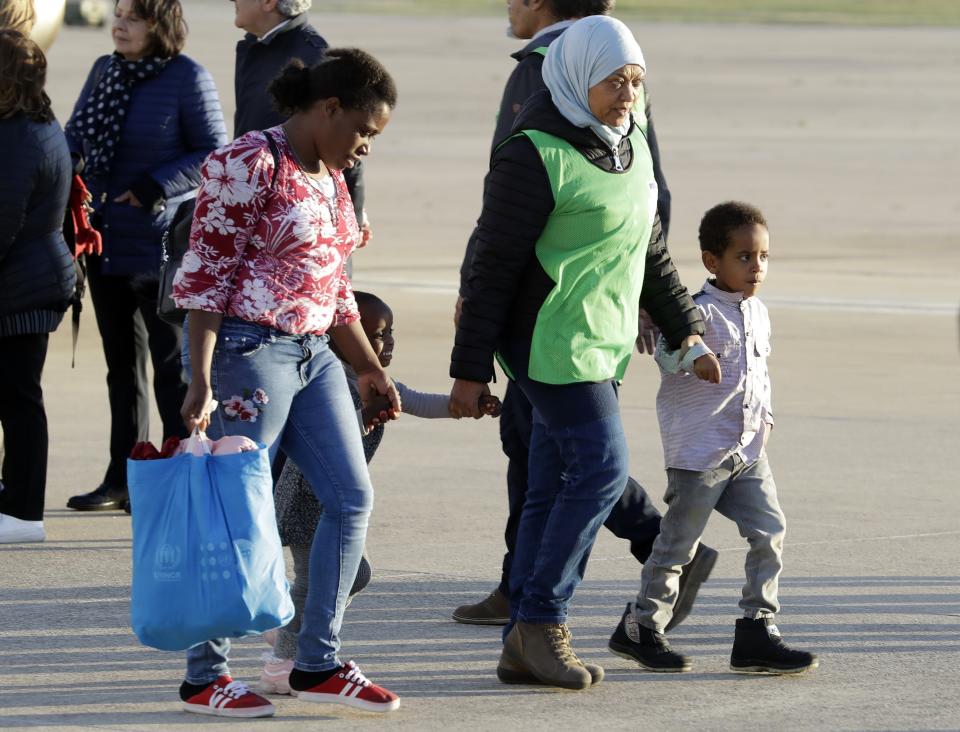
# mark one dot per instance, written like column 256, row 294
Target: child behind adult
column 297, row 509
column 714, row 431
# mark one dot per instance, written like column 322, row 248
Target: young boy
column 714, row 430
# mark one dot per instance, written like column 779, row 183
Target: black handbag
column 176, row 243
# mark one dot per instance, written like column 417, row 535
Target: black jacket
column 37, row 276
column 259, row 63
column 525, row 81
column 507, row 276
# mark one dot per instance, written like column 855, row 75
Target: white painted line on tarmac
column 790, row 544
column 850, row 305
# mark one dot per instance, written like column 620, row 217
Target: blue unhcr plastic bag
column 207, row 559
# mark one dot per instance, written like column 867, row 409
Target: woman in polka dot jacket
column 146, row 119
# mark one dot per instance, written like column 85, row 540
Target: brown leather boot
column 543, row 650
column 512, row 672
column 493, row 610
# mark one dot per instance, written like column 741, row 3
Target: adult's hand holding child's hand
column 465, row 398
column 375, row 382
column 377, row 411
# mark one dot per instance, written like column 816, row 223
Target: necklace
column 329, row 199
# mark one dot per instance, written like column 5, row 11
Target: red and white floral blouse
column 270, row 256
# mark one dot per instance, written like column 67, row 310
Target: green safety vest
column 594, row 248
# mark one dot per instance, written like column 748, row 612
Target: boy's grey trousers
column 745, row 494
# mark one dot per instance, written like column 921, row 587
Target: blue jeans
column 633, row 517
column 290, row 392
column 576, row 473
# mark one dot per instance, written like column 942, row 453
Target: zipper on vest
column 617, row 165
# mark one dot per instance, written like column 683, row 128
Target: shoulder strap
column 275, row 151
column 542, row 50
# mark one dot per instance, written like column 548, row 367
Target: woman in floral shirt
column 265, row 285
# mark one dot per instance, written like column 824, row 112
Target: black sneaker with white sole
column 758, row 648
column 647, row 647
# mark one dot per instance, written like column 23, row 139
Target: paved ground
column 847, row 139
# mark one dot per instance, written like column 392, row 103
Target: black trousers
column 633, row 517
column 24, row 422
column 126, row 310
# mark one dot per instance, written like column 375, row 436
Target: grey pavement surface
column 847, row 139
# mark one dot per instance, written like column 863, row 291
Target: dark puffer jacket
column 517, row 202
column 37, row 276
column 174, row 121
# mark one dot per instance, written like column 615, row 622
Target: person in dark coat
column 634, row 517
column 146, row 119
column 37, row 276
column 278, row 31
column 569, row 248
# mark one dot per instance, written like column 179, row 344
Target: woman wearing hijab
column 569, row 248
column 145, row 120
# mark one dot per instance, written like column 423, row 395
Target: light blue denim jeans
column 291, row 392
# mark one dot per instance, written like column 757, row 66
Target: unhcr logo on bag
column 167, row 563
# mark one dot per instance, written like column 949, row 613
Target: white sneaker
column 18, row 531
column 275, row 676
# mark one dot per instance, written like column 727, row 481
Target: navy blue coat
column 37, row 277
column 174, row 121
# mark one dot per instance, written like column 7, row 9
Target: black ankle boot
column 647, row 647
column 758, row 648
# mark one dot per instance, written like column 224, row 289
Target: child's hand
column 490, row 405
column 707, row 367
column 377, row 411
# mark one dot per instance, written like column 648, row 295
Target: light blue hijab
column 584, row 55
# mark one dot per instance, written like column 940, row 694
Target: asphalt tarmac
column 846, row 138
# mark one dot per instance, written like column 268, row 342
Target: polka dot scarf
column 100, row 121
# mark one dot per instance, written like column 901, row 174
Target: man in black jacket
column 277, row 32
column 633, row 517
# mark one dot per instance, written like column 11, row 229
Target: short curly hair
column 23, row 72
column 290, row 8
column 719, row 221
column 18, row 15
column 169, row 33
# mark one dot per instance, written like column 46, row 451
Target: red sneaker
column 228, row 698
column 350, row 687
